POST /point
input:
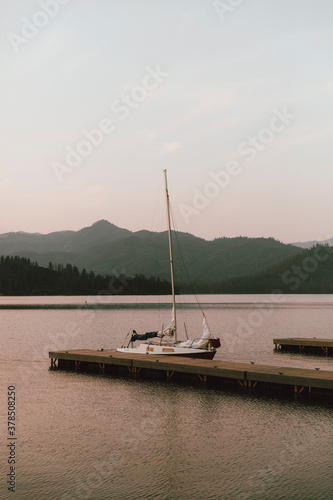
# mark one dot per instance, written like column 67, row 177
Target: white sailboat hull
column 169, row 350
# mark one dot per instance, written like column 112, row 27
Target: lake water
column 83, row 436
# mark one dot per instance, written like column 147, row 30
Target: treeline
column 310, row 271
column 20, row 276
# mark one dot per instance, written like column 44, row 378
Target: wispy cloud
column 170, row 147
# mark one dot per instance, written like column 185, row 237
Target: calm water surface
column 81, row 436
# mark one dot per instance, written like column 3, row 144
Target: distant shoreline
column 88, row 306
column 186, row 301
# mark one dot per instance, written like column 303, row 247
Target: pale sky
column 234, row 98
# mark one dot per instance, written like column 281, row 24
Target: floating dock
column 303, row 345
column 224, row 374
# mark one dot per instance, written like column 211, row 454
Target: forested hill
column 311, row 271
column 106, row 249
column 18, row 276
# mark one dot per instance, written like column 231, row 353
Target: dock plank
column 313, row 342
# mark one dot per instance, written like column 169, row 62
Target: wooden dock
column 303, row 345
column 223, row 374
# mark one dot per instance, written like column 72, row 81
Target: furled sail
column 202, row 342
column 170, row 329
column 206, row 332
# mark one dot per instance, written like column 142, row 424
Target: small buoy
column 317, row 369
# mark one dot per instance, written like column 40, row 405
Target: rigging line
column 185, row 262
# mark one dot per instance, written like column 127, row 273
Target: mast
column 170, row 252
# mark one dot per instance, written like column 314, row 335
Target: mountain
column 310, row 244
column 106, row 249
column 62, row 241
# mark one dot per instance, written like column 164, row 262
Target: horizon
column 234, row 101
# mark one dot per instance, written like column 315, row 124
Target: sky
column 234, row 98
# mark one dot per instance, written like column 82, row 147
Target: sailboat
column 166, row 341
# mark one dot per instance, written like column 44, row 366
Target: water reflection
column 87, row 436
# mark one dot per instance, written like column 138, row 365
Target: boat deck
column 221, row 373
column 303, row 345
